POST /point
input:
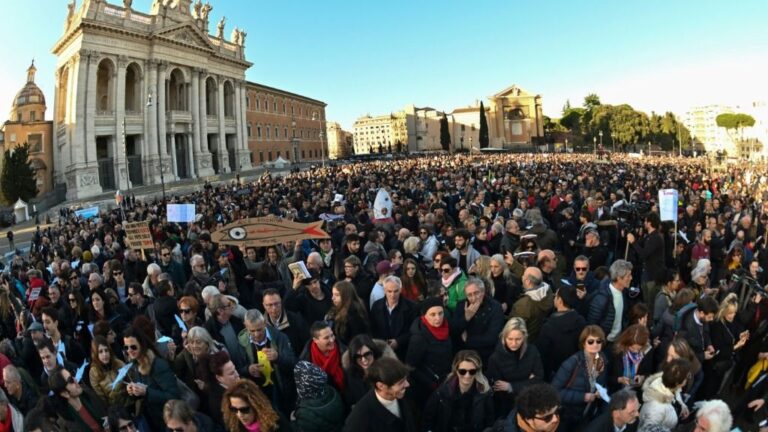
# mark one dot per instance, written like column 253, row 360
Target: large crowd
column 534, row 293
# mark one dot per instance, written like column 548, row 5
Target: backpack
column 680, row 315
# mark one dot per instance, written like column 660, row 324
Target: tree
column 735, row 122
column 591, row 101
column 484, row 139
column 571, row 119
column 445, row 134
column 18, row 177
column 567, row 106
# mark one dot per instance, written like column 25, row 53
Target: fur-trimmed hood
column 382, row 345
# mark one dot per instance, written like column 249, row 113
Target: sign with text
column 138, row 236
column 668, row 204
column 181, row 212
column 87, row 213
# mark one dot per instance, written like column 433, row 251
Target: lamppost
column 127, row 171
column 461, row 143
column 613, row 142
column 315, row 116
column 160, row 153
column 566, row 145
column 594, row 142
column 294, row 141
column 470, row 144
column 601, row 138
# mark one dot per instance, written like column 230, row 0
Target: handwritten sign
column 668, row 204
column 138, row 236
column 266, row 231
column 181, row 212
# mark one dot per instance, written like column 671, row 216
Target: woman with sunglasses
column 578, row 377
column 246, row 409
column 463, row 402
column 151, row 380
column 189, row 307
column 77, row 407
column 180, row 417
column 453, row 279
column 119, row 420
column 514, row 365
column 430, row 350
column 103, row 371
column 361, row 352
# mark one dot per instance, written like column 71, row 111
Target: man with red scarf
column 324, row 352
column 11, row 420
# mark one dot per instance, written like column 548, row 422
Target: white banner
column 181, row 212
column 668, row 204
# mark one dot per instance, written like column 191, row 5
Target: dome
column 30, row 93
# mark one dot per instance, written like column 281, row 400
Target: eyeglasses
column 128, row 427
column 185, row 311
column 241, row 410
column 548, row 418
column 580, row 269
column 594, row 341
column 181, row 429
column 463, row 372
column 367, row 354
column 74, row 278
column 71, row 380
column 131, row 348
column 117, row 273
column 447, row 270
column 166, row 254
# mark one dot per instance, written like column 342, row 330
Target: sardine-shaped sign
column 267, row 231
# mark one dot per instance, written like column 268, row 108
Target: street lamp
column 601, row 138
column 470, row 144
column 613, row 142
column 594, row 141
column 294, row 141
column 127, row 171
column 461, row 143
column 160, row 153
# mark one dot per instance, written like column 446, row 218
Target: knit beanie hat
column 430, row 302
column 310, row 380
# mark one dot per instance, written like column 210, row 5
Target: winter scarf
column 440, row 333
column 331, row 364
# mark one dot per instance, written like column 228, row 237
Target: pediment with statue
column 512, row 92
column 186, row 34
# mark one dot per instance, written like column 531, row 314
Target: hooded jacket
column 440, row 414
column 658, row 402
column 533, row 307
column 559, row 339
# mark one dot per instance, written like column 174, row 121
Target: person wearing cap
column 384, row 269
column 34, row 334
column 430, row 350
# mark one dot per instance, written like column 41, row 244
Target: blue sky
column 377, row 56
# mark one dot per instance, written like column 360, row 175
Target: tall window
column 258, row 132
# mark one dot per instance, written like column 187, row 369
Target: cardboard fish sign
column 382, row 206
column 267, row 231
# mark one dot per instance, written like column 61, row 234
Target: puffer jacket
column 658, row 402
column 430, row 358
column 572, row 381
column 520, row 368
column 440, row 414
column 323, row 414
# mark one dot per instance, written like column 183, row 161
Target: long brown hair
column 252, row 395
column 349, row 301
column 636, row 334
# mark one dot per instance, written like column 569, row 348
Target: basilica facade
column 140, row 96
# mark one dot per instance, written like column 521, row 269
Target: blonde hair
column 514, row 323
column 473, row 357
column 411, row 245
column 731, row 301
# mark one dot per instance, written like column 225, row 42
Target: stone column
column 190, row 143
column 121, row 155
column 203, row 157
column 195, row 104
column 222, row 147
column 243, row 151
column 90, row 110
column 174, row 162
column 152, row 160
column 161, row 134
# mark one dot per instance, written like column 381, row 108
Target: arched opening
column 132, row 88
column 229, row 99
column 105, row 100
column 177, row 91
column 211, row 94
column 61, row 98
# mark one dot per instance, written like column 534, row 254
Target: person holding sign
column 650, row 249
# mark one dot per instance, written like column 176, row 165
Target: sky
column 375, row 57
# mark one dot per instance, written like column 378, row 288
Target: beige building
column 380, row 134
column 340, row 142
column 142, row 97
column 515, row 118
column 26, row 124
column 701, row 121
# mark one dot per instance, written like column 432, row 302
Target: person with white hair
column 713, row 416
column 150, row 283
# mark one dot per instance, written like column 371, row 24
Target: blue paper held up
column 180, row 322
column 81, row 371
column 121, row 373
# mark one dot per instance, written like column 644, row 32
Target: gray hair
column 200, row 333
column 393, row 279
column 476, row 282
column 411, row 245
column 12, row 373
column 97, row 277
column 514, row 323
column 718, row 414
column 254, row 316
column 621, row 398
column 208, row 292
column 196, row 259
column 315, row 256
column 153, row 268
column 619, row 269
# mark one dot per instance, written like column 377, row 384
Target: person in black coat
column 165, row 308
column 356, row 360
column 477, row 320
column 391, row 317
column 623, row 412
column 559, row 336
column 430, row 350
column 464, row 401
column 348, row 314
column 309, row 299
column 389, row 378
column 289, row 323
column 632, row 359
column 514, row 365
